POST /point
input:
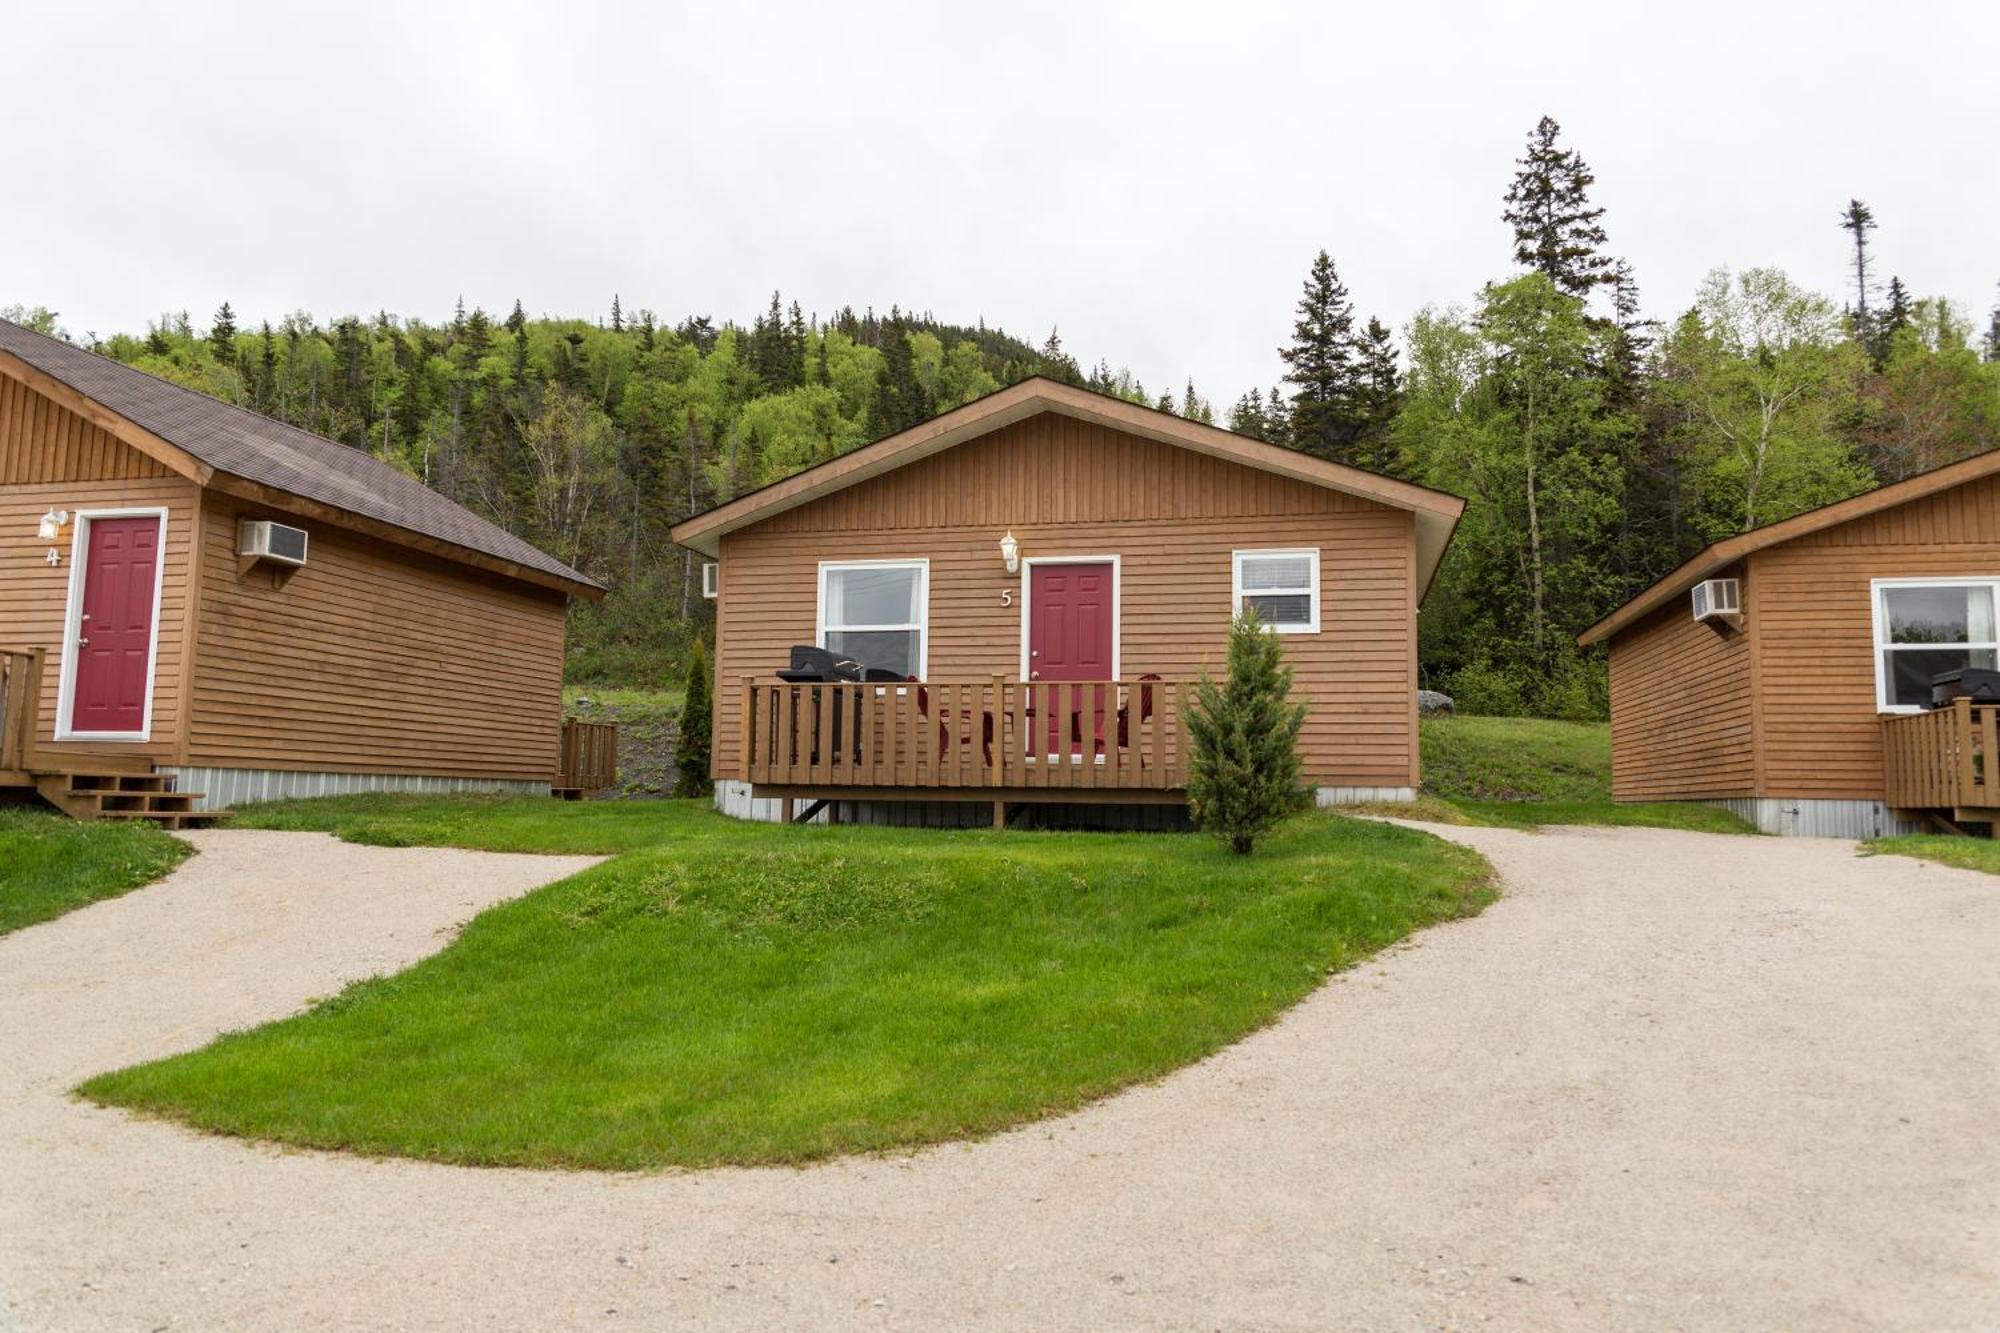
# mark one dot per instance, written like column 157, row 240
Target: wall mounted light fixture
column 1010, row 552
column 52, row 525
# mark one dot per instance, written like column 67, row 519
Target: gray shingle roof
column 245, row 444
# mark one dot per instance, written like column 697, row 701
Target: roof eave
column 257, row 492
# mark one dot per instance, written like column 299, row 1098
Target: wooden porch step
column 170, row 819
column 127, row 796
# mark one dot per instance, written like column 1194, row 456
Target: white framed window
column 711, row 579
column 1927, row 626
column 1283, row 586
column 877, row 612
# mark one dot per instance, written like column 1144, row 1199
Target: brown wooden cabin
column 1805, row 708
column 151, row 666
column 1051, row 568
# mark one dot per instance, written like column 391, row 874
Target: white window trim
column 79, row 559
column 922, row 624
column 1028, row 564
column 1880, row 643
column 1311, row 553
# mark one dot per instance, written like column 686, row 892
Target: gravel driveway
column 1671, row 1080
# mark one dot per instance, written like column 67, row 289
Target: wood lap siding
column 372, row 658
column 1821, row 733
column 1067, row 487
column 50, row 458
column 1681, row 710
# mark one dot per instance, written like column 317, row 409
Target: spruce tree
column 1857, row 220
column 1381, row 396
column 1243, row 755
column 1897, row 311
column 795, row 346
column 266, row 391
column 1247, row 417
column 1058, row 364
column 1195, row 407
column 1321, row 361
column 691, row 745
column 617, row 315
column 1993, row 334
column 222, row 335
column 1277, row 417
column 1556, row 231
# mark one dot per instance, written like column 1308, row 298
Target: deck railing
column 996, row 733
column 20, row 697
column 589, row 757
column 1943, row 759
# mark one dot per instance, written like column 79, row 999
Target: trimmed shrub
column 1243, row 756
column 692, row 745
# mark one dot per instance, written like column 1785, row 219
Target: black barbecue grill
column 814, row 665
column 1979, row 684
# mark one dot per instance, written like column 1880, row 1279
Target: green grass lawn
column 1519, row 772
column 726, row 992
column 1965, row 853
column 51, row 864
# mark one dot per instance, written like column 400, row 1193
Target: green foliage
column 1344, row 383
column 1527, row 773
column 1964, row 853
column 50, row 864
column 591, row 439
column 1515, row 759
column 1556, row 231
column 1243, row 760
column 691, row 747
column 1511, row 408
column 726, row 992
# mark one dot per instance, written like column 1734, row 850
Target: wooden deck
column 1944, row 761
column 1111, row 741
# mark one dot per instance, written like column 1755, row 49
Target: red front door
column 114, row 634
column 1070, row 629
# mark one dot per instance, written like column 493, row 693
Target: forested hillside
column 1600, row 444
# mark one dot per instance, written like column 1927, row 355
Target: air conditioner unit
column 710, row 579
column 1719, row 599
column 261, row 539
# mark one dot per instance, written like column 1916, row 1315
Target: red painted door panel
column 1070, row 638
column 114, row 644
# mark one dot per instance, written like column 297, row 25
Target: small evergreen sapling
column 691, row 747
column 1243, row 763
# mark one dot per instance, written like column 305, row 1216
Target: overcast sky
column 1154, row 178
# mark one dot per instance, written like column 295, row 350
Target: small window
column 1283, row 587
column 1924, row 628
column 874, row 611
column 711, row 579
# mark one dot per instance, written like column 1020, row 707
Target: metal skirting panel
column 1361, row 795
column 1799, row 817
column 230, row 788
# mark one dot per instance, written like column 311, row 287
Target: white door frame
column 79, row 560
column 1028, row 564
